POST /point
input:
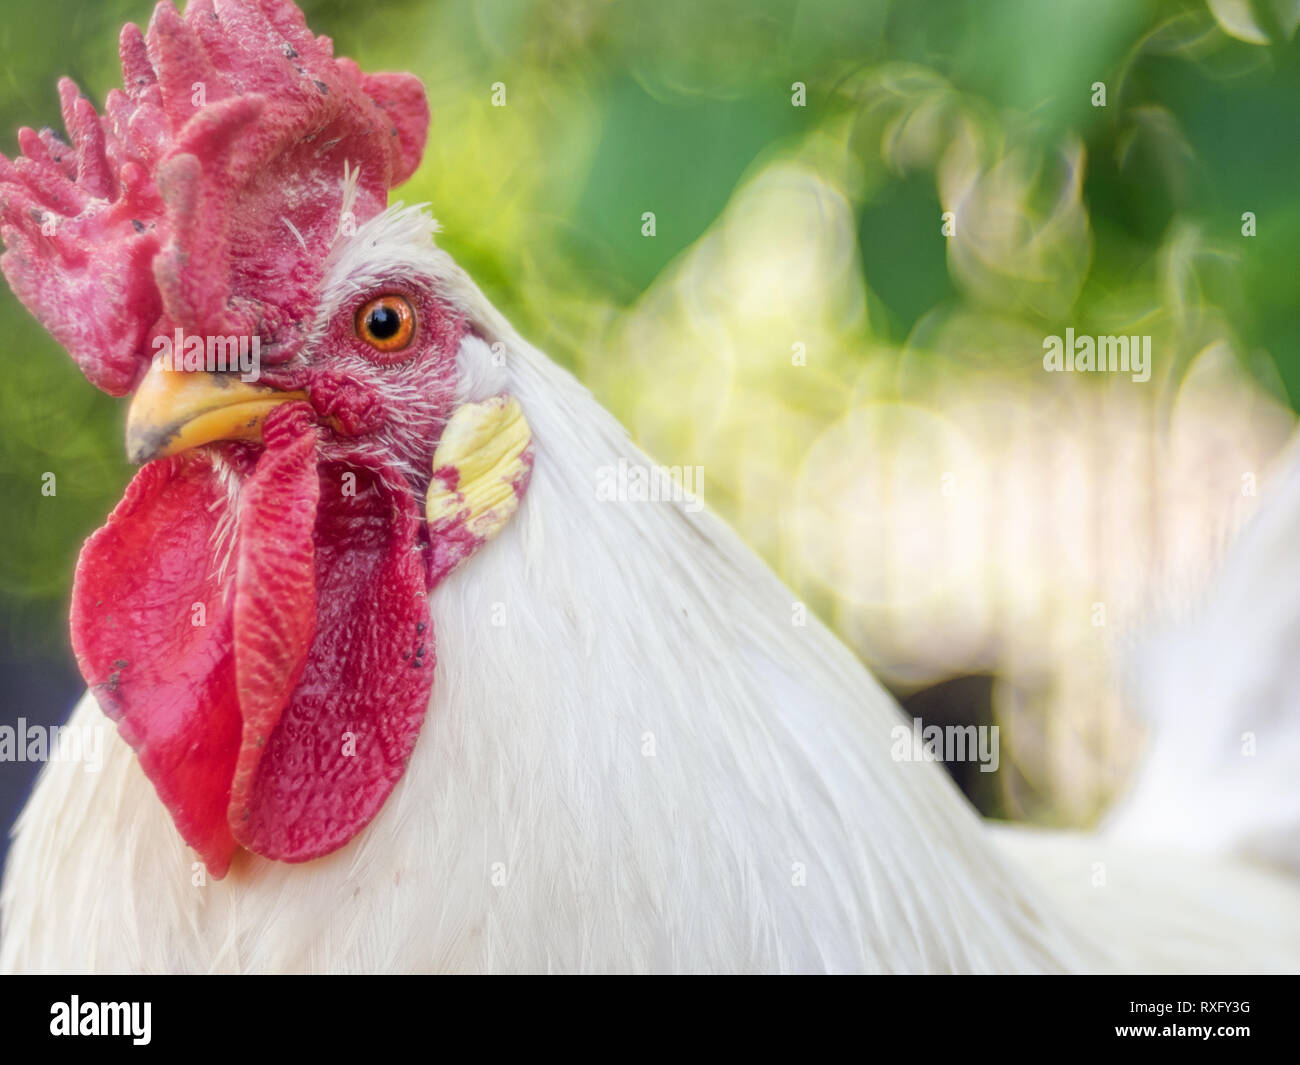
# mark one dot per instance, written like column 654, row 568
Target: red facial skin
column 254, row 618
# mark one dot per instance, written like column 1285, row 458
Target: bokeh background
column 864, row 391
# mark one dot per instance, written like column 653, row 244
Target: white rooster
column 629, row 758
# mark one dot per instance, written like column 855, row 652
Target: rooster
column 389, row 684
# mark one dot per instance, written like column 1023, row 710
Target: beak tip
column 141, row 447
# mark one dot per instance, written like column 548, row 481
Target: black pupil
column 383, row 322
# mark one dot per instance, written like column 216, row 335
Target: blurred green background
column 776, row 227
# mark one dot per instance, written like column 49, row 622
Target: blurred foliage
column 776, row 225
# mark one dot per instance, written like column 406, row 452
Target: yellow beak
column 173, row 411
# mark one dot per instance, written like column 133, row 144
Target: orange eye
column 386, row 323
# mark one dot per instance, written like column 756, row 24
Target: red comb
column 210, row 208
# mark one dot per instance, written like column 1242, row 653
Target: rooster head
column 254, row 614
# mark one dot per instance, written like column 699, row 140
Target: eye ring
column 386, row 323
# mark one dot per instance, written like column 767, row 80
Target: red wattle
column 343, row 739
column 268, row 653
column 152, row 632
column 275, row 590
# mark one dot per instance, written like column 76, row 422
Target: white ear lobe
column 480, row 369
column 481, row 470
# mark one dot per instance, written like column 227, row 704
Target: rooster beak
column 173, row 411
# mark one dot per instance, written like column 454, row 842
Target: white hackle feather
column 633, row 761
